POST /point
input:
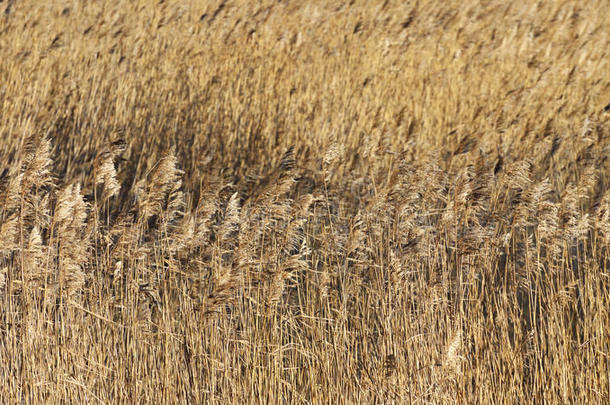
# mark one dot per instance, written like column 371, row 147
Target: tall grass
column 320, row 202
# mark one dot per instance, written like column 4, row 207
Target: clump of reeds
column 364, row 202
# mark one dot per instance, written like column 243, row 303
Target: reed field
column 308, row 202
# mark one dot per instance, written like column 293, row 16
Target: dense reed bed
column 304, row 202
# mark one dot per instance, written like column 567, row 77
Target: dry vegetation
column 304, row 202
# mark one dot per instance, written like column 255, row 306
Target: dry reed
column 331, row 202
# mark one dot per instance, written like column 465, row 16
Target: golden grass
column 304, row 202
